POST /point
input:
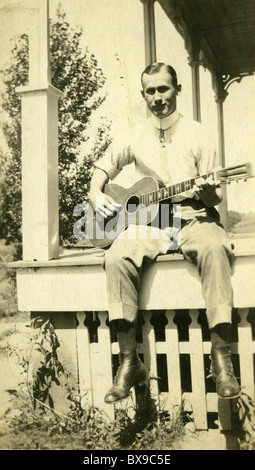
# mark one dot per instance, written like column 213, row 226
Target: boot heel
column 143, row 382
column 145, row 379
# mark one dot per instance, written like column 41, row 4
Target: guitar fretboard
column 169, row 191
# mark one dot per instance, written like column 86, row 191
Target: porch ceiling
column 222, row 30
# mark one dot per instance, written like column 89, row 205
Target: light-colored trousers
column 202, row 241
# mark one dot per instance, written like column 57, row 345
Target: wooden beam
column 61, row 288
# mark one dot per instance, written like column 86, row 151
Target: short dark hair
column 156, row 67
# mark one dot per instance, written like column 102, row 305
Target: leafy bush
column 8, row 296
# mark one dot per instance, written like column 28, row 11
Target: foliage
column 246, row 224
column 49, row 369
column 37, row 424
column 77, row 74
column 233, row 217
column 246, row 405
column 8, row 296
column 16, row 75
column 240, row 222
column 29, row 430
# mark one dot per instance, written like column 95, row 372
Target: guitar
column 139, row 204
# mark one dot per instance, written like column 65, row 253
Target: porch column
column 149, row 31
column 193, row 47
column 221, row 130
column 195, row 90
column 220, row 96
column 39, row 101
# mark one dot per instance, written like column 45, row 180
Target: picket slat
column 245, row 349
column 101, row 366
column 173, row 362
column 84, row 361
column 197, row 372
column 148, row 348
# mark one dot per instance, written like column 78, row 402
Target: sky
column 113, row 32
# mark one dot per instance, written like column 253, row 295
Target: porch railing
column 176, row 350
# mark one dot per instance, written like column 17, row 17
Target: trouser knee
column 113, row 261
column 215, row 251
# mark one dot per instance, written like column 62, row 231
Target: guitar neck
column 162, row 194
column 239, row 172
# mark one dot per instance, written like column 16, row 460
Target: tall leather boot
column 131, row 370
column 221, row 364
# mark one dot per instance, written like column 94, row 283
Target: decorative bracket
column 229, row 79
column 222, row 82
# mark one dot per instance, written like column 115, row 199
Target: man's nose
column 157, row 97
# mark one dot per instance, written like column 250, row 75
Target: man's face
column 159, row 93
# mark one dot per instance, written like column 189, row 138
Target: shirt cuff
column 106, row 165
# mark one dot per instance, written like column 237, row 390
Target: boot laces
column 230, row 370
column 117, row 374
column 119, row 369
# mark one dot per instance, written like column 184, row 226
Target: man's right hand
column 104, row 205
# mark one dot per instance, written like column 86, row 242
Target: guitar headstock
column 235, row 173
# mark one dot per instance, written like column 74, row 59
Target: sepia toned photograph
column 127, row 228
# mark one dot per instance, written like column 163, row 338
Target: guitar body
column 131, row 213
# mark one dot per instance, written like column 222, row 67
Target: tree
column 77, row 74
column 233, row 217
column 246, row 224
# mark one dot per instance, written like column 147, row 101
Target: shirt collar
column 165, row 122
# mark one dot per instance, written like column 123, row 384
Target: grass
column 24, row 429
column 30, row 425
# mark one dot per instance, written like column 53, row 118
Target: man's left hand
column 208, row 190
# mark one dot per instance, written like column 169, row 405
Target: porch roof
column 223, row 31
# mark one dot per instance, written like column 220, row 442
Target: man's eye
column 163, row 89
column 150, row 91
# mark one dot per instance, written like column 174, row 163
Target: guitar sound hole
column 132, row 204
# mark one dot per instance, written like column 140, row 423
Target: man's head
column 160, row 88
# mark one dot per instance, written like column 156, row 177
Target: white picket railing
column 95, row 366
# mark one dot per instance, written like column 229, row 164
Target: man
column 171, row 149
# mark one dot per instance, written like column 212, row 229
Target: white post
column 196, row 90
column 40, row 225
column 149, row 31
column 39, row 47
column 220, row 96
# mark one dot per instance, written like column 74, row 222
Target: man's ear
column 142, row 93
column 179, row 89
